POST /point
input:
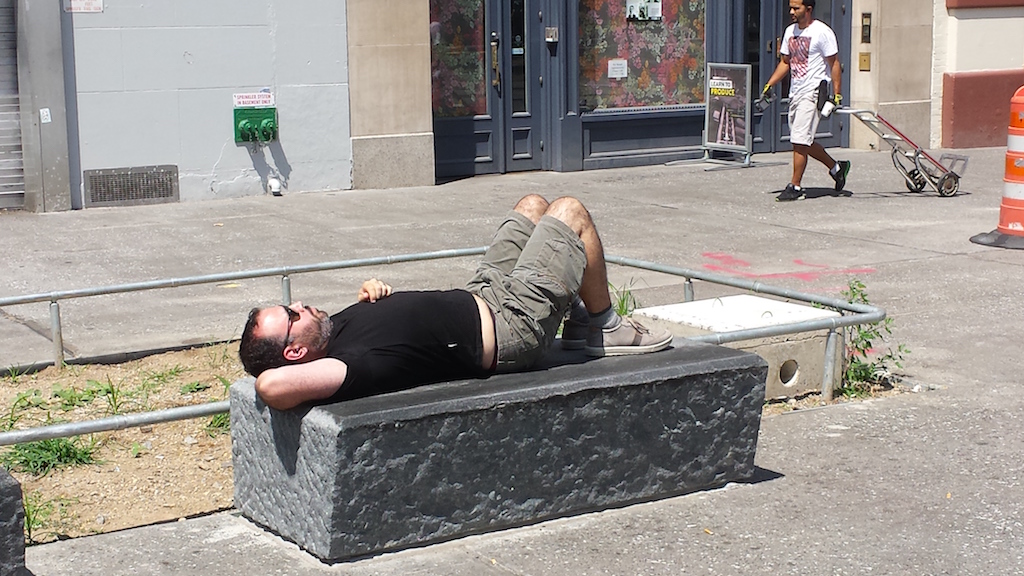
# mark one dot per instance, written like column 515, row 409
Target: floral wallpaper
column 457, row 52
column 665, row 57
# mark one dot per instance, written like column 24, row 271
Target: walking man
column 810, row 52
column 544, row 260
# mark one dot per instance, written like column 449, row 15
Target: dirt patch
column 144, row 475
column 154, row 473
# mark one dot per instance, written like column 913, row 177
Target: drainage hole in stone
column 788, row 372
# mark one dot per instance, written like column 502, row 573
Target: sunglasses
column 293, row 317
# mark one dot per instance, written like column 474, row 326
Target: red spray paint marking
column 728, row 264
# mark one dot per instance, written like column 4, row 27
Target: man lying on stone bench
column 544, row 259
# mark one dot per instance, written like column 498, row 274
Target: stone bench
column 448, row 460
column 12, row 527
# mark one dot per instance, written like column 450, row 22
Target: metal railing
column 858, row 314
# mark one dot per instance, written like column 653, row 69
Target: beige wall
column 969, row 40
column 986, row 39
column 389, row 76
column 899, row 85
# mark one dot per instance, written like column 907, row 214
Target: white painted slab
column 738, row 312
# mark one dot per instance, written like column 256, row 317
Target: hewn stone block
column 458, row 458
column 12, row 526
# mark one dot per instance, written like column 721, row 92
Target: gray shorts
column 528, row 278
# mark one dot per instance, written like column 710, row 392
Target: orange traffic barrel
column 1010, row 231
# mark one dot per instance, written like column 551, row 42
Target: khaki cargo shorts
column 528, row 278
column 803, row 118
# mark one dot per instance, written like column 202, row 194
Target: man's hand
column 373, row 290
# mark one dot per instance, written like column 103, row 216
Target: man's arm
column 780, row 72
column 837, row 73
column 288, row 386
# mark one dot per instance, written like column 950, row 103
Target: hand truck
column 918, row 168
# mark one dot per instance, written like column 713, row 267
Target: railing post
column 688, row 290
column 286, row 290
column 58, row 338
column 831, row 348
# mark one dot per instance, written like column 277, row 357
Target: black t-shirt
column 406, row 340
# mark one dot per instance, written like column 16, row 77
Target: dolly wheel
column 949, row 184
column 918, row 181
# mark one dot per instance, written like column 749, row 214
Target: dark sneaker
column 840, row 177
column 574, row 334
column 790, row 194
column 629, row 337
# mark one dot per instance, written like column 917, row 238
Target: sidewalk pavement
column 923, row 483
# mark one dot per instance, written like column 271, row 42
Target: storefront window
column 458, row 80
column 641, row 62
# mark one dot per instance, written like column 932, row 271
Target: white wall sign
column 44, row 116
column 643, row 9
column 83, row 5
column 254, row 100
column 618, row 68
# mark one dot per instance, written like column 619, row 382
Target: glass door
column 522, row 57
column 486, row 86
column 766, row 22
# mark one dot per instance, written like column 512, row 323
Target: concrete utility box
column 796, row 363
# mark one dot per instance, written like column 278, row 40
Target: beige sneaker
column 629, row 337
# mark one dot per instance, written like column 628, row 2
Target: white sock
column 834, row 169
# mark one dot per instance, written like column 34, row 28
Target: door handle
column 496, row 73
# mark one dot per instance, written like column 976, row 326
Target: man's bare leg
column 532, row 206
column 799, row 163
column 800, row 154
column 608, row 334
column 594, row 287
column 819, row 153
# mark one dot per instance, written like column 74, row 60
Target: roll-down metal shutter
column 12, row 174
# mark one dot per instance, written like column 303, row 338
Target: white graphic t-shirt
column 807, row 49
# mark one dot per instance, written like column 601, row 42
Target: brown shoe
column 629, row 337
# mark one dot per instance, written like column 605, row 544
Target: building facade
column 120, row 102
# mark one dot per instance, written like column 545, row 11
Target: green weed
column 75, row 370
column 114, row 394
column 623, row 300
column 42, row 457
column 14, row 374
column 194, row 387
column 137, row 449
column 165, row 376
column 37, row 514
column 226, row 383
column 866, row 368
column 217, row 355
column 29, row 399
column 41, row 513
column 71, row 397
column 219, row 424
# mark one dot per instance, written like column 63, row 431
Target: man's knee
column 533, row 206
column 572, row 212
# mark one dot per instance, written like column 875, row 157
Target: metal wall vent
column 131, row 186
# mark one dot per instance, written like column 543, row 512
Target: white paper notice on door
column 83, row 5
column 618, row 68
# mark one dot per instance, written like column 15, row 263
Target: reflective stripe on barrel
column 1011, row 211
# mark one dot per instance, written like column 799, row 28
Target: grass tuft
column 42, row 457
